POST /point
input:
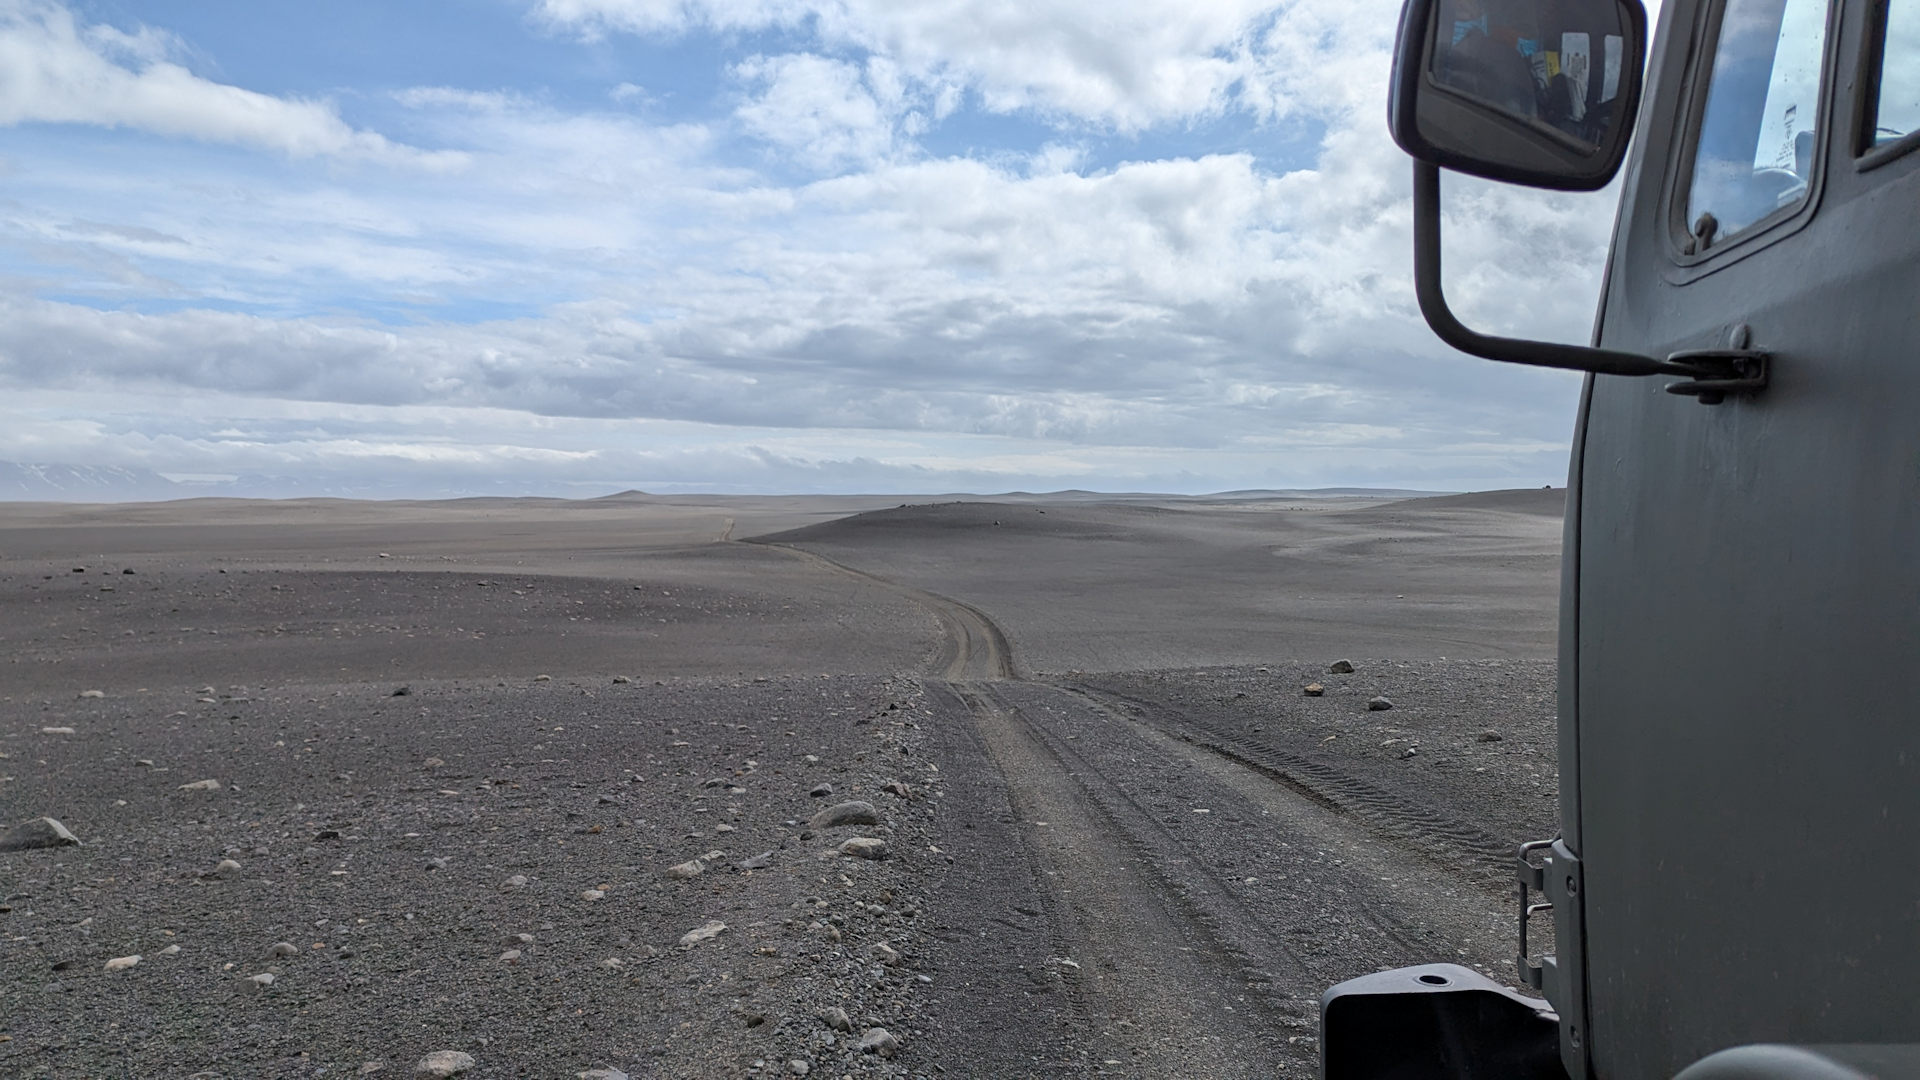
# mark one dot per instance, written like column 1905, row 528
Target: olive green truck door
column 1741, row 653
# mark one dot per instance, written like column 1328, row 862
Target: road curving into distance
column 1196, row 891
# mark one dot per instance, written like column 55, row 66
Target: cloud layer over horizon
column 779, row 245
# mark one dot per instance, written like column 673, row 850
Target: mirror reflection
column 1555, row 64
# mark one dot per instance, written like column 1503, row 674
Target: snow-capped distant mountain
column 84, row 483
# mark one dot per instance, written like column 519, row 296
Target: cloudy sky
column 763, row 245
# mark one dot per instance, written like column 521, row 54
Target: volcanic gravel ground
column 716, row 609
column 400, row 883
column 1471, row 742
column 1149, row 867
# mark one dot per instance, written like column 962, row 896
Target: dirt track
column 1201, row 890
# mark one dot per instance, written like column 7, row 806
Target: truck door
column 1743, row 768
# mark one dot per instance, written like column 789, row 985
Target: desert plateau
column 690, row 786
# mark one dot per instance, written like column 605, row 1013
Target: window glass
column 1755, row 151
column 1899, row 109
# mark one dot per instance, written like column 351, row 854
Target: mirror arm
column 1433, row 305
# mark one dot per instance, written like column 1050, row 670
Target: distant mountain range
column 83, row 483
column 111, row 483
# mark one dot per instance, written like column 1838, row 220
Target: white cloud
column 1125, row 64
column 817, row 108
column 53, row 70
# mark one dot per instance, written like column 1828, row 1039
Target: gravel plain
column 536, row 783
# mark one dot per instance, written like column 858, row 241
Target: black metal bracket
column 1708, row 374
column 1735, row 369
column 1533, row 879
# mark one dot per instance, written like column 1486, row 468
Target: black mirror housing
column 1519, row 91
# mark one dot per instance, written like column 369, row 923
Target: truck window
column 1754, row 154
column 1897, row 103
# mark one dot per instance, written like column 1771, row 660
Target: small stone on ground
column 865, row 847
column 703, row 933
column 846, row 813
column 39, row 833
column 444, row 1063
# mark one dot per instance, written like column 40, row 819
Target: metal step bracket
column 1533, row 879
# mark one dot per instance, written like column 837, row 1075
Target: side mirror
column 1542, row 94
column 1520, row 91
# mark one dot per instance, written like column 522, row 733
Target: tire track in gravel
column 1147, row 953
column 973, row 647
column 1457, row 846
column 1170, row 964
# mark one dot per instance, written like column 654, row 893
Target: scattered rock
column 201, row 785
column 143, row 763
column 703, row 933
column 510, row 956
column 593, row 894
column 836, row 1018
column 820, row 791
column 402, row 691
column 603, row 1074
column 1313, row 689
column 283, row 949
column 1378, row 704
column 517, row 881
column 1340, row 667
column 122, row 963
column 895, row 787
column 442, row 1063
column 1491, row 735
column 227, row 866
column 880, row 1041
column 846, row 813
column 433, row 763
column 886, row 954
column 758, row 862
column 685, row 870
column 619, row 679
column 93, row 693
column 798, row 1067
column 171, row 950
column 371, row 1067
column 56, row 731
column 543, row 678
column 865, row 847
column 440, row 862
column 260, row 982
column 39, row 833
